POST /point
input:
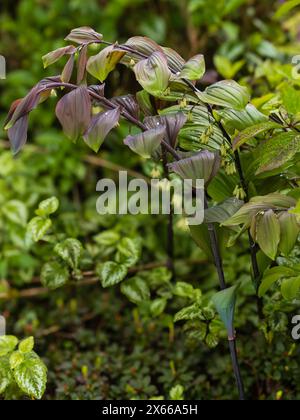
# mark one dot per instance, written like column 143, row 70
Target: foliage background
column 95, row 343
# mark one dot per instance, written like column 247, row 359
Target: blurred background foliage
column 96, row 344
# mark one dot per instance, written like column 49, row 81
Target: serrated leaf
column 54, row 275
column 271, row 276
column 107, row 238
column 31, row 376
column 224, row 302
column 184, row 289
column 128, row 252
column 15, row 359
column 227, row 94
column 7, row 344
column 158, row 306
column 26, row 345
column 70, row 250
column 38, row 227
column 253, row 131
column 16, row 212
column 136, row 290
column 104, row 62
column 6, row 376
column 111, row 273
column 176, row 393
column 189, row 313
column 48, row 206
column 194, row 68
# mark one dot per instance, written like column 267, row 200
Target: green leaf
column 104, row 62
column 277, row 151
column 111, row 273
column 31, row 376
column 242, row 119
column 268, row 233
column 158, row 306
column 289, row 229
column 227, row 68
column 26, row 345
column 290, row 99
column 186, row 290
column 107, row 238
column 250, row 132
column 194, row 68
column 224, row 302
column 16, row 212
column 227, row 94
column 47, row 207
column 136, row 290
column 285, row 8
column 54, row 275
column 189, row 313
column 153, row 73
column 15, row 359
column 6, row 376
column 222, row 212
column 7, row 344
column 271, row 276
column 290, row 287
column 129, row 251
column 38, row 227
column 176, row 393
column 70, row 250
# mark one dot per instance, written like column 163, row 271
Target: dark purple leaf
column 74, row 112
column 83, row 35
column 98, row 89
column 173, row 122
column 18, row 134
column 101, row 125
column 27, row 104
column 68, row 69
column 129, row 103
column 147, row 142
column 81, row 65
column 204, row 165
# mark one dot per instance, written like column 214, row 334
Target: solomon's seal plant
column 244, row 154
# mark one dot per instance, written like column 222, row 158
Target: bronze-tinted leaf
column 104, row 62
column 81, row 64
column 74, row 112
column 153, row 73
column 68, row 69
column 18, row 134
column 175, row 61
column 144, row 47
column 55, row 55
column 83, row 35
column 101, row 125
column 145, row 143
column 173, row 122
column 204, row 165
